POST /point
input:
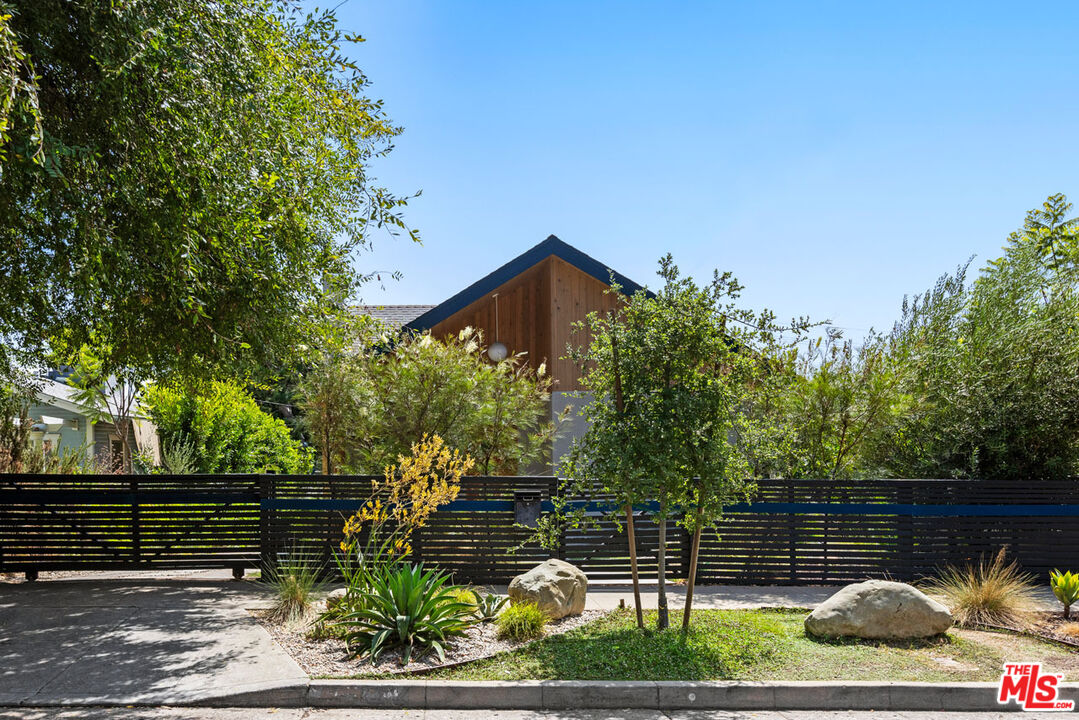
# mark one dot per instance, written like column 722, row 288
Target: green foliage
column 991, row 368
column 465, row 596
column 989, row 593
column 521, row 621
column 179, row 456
column 839, row 401
column 676, row 379
column 16, row 396
column 225, row 429
column 1066, row 588
column 406, row 607
column 489, row 606
column 188, row 180
column 365, row 409
column 294, row 580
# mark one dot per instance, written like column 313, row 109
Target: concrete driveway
column 135, row 642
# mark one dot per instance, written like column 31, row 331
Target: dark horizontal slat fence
column 113, row 522
column 795, row 531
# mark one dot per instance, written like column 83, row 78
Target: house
column 535, row 299
column 62, row 422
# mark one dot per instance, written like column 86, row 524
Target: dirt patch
column 1017, row 648
column 327, row 657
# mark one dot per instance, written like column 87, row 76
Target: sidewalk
column 147, row 641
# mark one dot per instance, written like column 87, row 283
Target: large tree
column 991, row 367
column 182, row 183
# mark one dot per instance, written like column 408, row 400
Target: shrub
column 225, row 431
column 522, row 621
column 1066, row 587
column 989, row 593
column 405, row 607
column 294, row 581
column 465, row 596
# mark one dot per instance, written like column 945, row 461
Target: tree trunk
column 124, row 428
column 661, row 606
column 694, row 552
column 631, row 537
column 691, row 580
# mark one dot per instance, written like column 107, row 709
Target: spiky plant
column 994, row 592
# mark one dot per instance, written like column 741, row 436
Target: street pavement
column 151, row 641
column 311, row 714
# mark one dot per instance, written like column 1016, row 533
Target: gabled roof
column 551, row 246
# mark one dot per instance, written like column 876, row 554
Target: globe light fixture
column 497, row 351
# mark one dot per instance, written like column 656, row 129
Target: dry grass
column 989, row 593
column 294, row 581
column 1069, row 630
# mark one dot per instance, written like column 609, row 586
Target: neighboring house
column 540, row 295
column 68, row 425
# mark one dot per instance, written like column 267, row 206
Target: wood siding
column 524, row 315
column 536, row 312
column 574, row 294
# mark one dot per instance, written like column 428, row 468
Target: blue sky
column 834, row 156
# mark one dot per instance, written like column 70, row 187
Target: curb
column 574, row 695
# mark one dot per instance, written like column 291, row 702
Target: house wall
column 568, row 406
column 524, row 317
column 536, row 313
column 72, row 436
column 574, row 294
column 104, row 432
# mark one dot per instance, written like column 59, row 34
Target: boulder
column 557, row 587
column 879, row 610
column 334, row 597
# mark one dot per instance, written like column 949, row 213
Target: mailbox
column 526, row 507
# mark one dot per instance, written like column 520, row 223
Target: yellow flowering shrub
column 404, row 499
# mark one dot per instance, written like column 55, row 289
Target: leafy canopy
column 993, row 365
column 183, row 183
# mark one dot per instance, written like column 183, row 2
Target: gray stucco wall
column 572, row 427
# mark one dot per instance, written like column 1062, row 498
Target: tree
column 110, row 397
column 16, row 395
column 371, row 401
column 673, row 377
column 838, row 401
column 992, row 366
column 225, row 430
column 184, row 182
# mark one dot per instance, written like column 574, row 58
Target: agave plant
column 406, row 607
column 1066, row 587
column 488, row 606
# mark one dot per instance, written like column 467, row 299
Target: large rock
column 557, row 587
column 334, row 598
column 879, row 610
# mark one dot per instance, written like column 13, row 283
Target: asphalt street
column 314, row 714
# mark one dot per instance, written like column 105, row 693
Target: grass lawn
column 757, row 645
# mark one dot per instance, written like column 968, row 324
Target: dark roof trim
column 551, row 246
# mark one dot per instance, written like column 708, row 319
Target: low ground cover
column 758, row 645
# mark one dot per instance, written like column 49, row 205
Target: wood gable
column 541, row 294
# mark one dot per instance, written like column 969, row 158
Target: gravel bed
column 327, row 658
